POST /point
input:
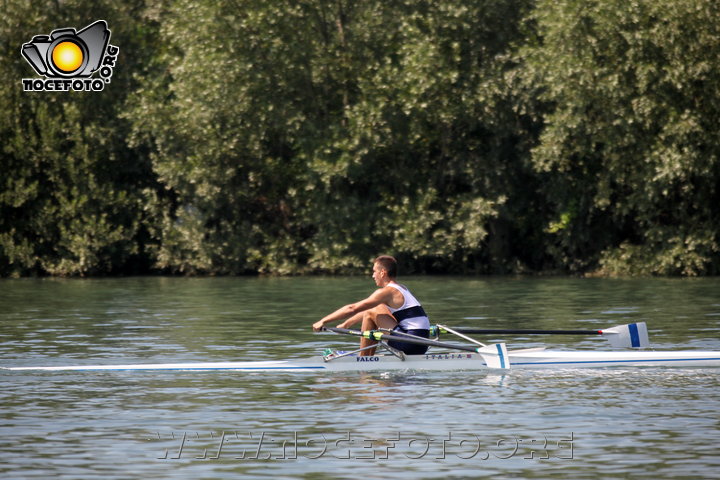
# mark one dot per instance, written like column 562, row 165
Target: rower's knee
column 378, row 317
column 368, row 321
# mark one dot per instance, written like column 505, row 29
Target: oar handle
column 346, row 331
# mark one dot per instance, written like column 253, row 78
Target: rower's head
column 384, row 269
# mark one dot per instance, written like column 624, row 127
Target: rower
column 390, row 307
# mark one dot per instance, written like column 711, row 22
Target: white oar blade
column 632, row 335
column 495, row 356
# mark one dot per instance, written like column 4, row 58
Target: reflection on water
column 640, row 423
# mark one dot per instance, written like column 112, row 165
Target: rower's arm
column 378, row 297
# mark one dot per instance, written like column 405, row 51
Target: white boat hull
column 527, row 359
column 595, row 359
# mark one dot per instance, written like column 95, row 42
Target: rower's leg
column 357, row 318
column 378, row 317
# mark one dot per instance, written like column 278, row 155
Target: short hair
column 389, row 264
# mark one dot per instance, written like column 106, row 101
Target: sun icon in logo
column 67, row 56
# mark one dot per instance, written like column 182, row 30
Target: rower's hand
column 318, row 326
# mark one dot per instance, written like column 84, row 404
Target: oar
column 495, row 356
column 630, row 335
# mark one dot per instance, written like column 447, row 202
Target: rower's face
column 377, row 274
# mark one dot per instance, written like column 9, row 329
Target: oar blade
column 495, row 356
column 633, row 335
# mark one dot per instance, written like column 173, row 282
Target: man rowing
column 390, row 307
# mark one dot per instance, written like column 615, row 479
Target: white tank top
column 411, row 314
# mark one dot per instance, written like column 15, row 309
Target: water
column 575, row 424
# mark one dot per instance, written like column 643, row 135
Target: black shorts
column 410, row 348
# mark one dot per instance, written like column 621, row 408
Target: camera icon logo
column 68, row 54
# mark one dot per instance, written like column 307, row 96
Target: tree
column 308, row 136
column 630, row 148
column 71, row 199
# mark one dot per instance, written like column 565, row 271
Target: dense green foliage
column 288, row 137
column 630, row 142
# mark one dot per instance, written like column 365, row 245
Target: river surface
column 599, row 423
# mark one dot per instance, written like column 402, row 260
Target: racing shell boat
column 451, row 356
